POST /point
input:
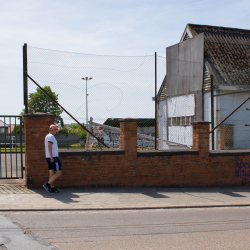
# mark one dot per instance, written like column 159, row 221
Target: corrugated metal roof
column 228, row 49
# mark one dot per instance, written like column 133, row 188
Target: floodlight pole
column 86, row 78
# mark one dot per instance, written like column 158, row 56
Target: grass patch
column 8, row 147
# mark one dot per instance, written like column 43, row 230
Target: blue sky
column 108, row 27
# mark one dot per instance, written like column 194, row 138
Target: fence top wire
column 79, row 53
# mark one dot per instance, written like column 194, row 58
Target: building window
column 180, row 121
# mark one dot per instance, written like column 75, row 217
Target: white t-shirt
column 51, row 139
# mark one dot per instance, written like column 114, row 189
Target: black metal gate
column 11, row 147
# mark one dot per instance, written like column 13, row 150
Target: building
column 145, row 130
column 208, row 77
column 6, row 128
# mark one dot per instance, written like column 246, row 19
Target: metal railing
column 11, row 147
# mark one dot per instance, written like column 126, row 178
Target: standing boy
column 52, row 158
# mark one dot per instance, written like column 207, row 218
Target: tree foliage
column 40, row 102
column 16, row 130
column 77, row 129
column 74, row 129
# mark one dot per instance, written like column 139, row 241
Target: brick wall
column 128, row 167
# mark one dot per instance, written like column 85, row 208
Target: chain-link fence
column 96, row 90
column 99, row 89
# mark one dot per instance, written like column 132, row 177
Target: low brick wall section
column 128, row 167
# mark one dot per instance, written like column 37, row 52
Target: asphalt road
column 210, row 228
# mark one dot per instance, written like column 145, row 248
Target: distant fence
column 10, row 138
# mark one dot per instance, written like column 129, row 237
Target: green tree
column 16, row 130
column 77, row 129
column 74, row 129
column 40, row 102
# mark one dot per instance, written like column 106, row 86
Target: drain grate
column 15, row 189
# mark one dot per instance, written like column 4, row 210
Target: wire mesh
column 100, row 88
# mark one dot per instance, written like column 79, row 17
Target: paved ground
column 15, row 196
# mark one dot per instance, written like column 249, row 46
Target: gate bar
column 16, row 145
column 10, row 150
column 5, row 150
column 66, row 111
column 21, row 146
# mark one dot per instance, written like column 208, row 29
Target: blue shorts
column 56, row 165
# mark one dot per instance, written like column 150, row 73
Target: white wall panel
column 207, row 107
column 181, row 106
column 181, row 134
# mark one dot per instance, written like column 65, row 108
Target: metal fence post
column 25, row 78
column 156, row 121
column 212, row 109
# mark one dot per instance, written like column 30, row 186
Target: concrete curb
column 122, row 208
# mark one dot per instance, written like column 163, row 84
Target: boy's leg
column 51, row 173
column 56, row 172
column 56, row 175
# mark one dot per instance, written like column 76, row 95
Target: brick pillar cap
column 127, row 120
column 200, row 122
column 39, row 114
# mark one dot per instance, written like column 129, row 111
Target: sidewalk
column 16, row 197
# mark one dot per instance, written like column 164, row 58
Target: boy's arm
column 50, row 151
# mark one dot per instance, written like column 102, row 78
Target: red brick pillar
column 201, row 137
column 36, row 127
column 128, row 136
